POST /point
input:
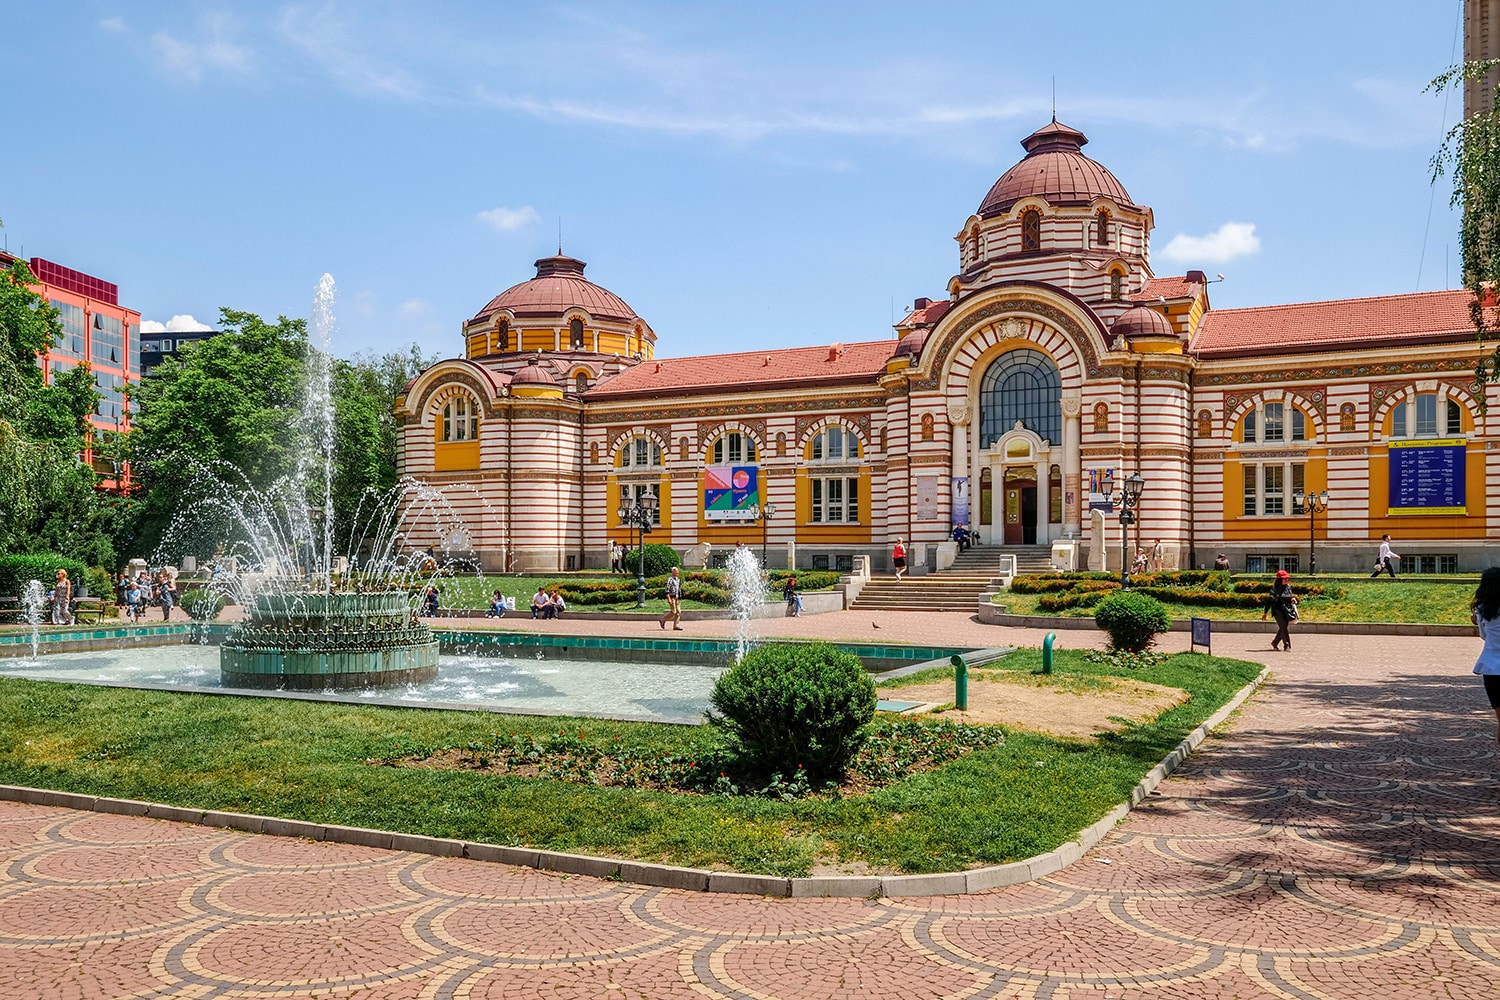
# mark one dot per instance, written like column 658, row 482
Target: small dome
column 912, row 343
column 1143, row 321
column 559, row 285
column 532, row 374
column 1054, row 169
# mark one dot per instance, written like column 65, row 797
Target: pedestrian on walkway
column 1386, row 560
column 674, row 602
column 1281, row 604
column 166, row 585
column 898, row 557
column 1486, row 611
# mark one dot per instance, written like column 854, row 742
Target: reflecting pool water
column 524, row 680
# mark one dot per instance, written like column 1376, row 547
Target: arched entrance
column 1019, row 438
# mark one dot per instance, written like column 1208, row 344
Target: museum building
column 1057, row 367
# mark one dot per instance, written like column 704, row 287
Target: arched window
column 1021, row 385
column 780, row 443
column 581, row 383
column 1271, row 423
column 502, row 336
column 641, row 452
column 1205, row 424
column 575, row 333
column 927, row 427
column 835, row 444
column 1116, row 286
column 734, row 447
column 1101, row 229
column 1346, row 418
column 1426, row 416
column 460, row 420
column 1031, row 229
column 1101, row 418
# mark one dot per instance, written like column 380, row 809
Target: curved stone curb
column 642, row 873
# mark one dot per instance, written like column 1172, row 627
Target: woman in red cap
column 1281, row 604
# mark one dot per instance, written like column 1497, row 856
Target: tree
column 29, row 324
column 1470, row 153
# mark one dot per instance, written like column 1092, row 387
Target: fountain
column 746, row 591
column 33, row 599
column 315, row 621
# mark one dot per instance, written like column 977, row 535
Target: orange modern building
column 99, row 331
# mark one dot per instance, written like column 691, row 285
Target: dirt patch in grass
column 1069, row 707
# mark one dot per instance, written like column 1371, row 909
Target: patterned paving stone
column 1338, row 841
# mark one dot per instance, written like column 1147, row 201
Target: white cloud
column 181, row 323
column 114, row 25
column 1231, row 240
column 509, row 220
column 211, row 52
column 414, row 309
column 326, row 37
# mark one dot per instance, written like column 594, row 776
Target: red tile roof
column 927, row 315
column 1175, row 287
column 758, row 370
column 1383, row 321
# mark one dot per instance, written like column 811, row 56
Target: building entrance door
column 1020, row 507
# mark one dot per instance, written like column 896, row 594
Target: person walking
column 166, row 583
column 62, row 599
column 898, row 557
column 1281, row 604
column 674, row 602
column 1486, row 613
column 616, row 554
column 1386, row 559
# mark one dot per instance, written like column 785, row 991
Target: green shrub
column 201, row 602
column 1132, row 619
column 1203, row 598
column 16, row 571
column 791, row 706
column 659, row 560
column 100, row 584
column 810, row 579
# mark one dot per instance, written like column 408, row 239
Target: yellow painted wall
column 452, row 456
column 809, row 533
column 1239, row 528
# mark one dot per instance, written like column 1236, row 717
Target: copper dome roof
column 532, row 374
column 1142, row 321
column 1055, row 169
column 559, row 285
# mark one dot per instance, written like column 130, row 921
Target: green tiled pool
column 664, row 680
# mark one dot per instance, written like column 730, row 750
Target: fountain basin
column 315, row 641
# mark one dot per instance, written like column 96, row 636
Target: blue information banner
column 1427, row 477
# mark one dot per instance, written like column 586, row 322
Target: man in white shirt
column 1386, row 560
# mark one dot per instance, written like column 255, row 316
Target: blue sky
column 745, row 175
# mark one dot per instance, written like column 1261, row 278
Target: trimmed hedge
column 795, row 707
column 659, row 560
column 16, row 571
column 1133, row 619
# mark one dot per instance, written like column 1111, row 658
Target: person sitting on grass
column 541, row 604
column 497, row 606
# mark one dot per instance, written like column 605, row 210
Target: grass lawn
column 311, row 761
column 1404, row 600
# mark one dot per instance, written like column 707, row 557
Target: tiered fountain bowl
column 314, row 641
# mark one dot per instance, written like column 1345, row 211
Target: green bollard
column 960, row 683
column 1047, row 652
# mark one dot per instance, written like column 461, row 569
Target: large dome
column 1055, row 169
column 559, row 285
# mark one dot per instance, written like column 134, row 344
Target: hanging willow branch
column 1470, row 154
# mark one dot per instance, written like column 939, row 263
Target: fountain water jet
column 746, row 591
column 33, row 598
column 300, row 632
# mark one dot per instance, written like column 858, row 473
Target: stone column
column 958, row 416
column 1043, row 501
column 1072, row 465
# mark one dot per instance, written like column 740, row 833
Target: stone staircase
column 954, row 589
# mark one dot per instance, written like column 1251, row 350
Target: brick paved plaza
column 1341, row 840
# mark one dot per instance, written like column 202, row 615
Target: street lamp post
column 638, row 516
column 1127, row 500
column 1314, row 504
column 763, row 514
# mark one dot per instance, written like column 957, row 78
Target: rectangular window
column 72, row 340
column 1299, row 425
column 1299, row 479
column 844, row 564
column 633, row 492
column 640, row 451
column 109, row 340
column 1448, row 564
column 835, row 444
column 1249, row 434
column 835, row 500
column 1274, row 430
column 1427, row 415
column 1274, row 480
column 1252, row 492
column 820, row 562
column 833, row 492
